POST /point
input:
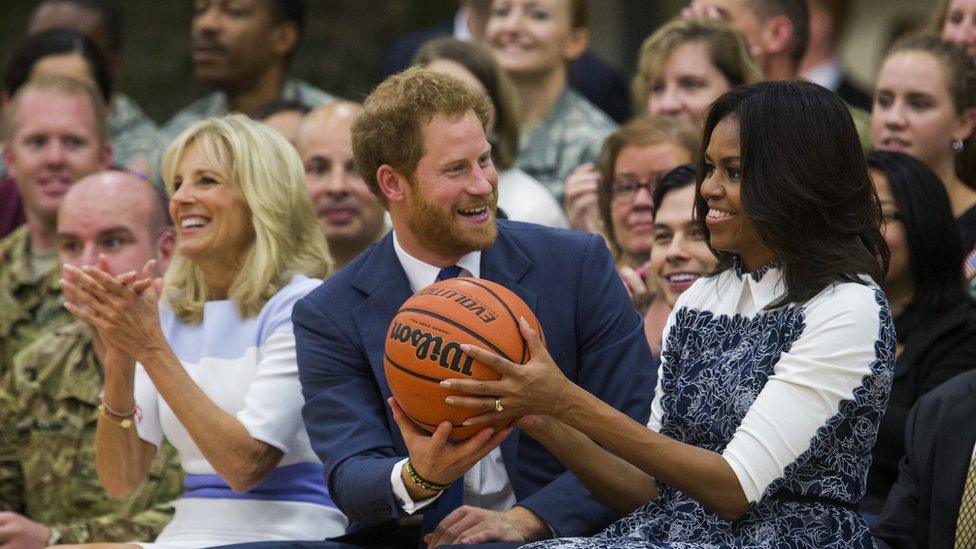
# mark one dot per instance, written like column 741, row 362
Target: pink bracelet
column 136, row 411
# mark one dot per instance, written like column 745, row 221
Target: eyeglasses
column 624, row 191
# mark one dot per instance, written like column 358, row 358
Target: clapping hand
column 123, row 309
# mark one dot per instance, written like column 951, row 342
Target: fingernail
column 447, row 384
column 449, row 400
column 465, row 347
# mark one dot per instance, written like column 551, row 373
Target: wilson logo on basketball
column 427, row 346
column 483, row 312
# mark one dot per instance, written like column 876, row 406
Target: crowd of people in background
column 755, row 279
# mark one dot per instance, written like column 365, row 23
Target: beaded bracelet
column 125, row 423
column 422, row 482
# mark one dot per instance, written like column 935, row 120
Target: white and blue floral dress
column 791, row 397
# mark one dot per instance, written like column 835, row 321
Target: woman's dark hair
column 501, row 90
column 805, row 187
column 934, row 247
column 56, row 42
column 678, row 178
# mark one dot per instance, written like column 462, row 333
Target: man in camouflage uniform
column 49, row 398
column 53, row 136
column 243, row 50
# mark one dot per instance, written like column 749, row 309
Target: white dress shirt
column 486, row 484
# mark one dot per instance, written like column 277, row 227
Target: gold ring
column 498, row 404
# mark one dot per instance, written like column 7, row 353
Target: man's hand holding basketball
column 436, row 459
column 537, row 387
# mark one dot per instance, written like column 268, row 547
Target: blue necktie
column 448, row 272
column 451, row 498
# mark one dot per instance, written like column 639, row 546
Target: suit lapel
column 953, row 451
column 385, row 284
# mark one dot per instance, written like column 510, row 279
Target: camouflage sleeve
column 144, row 513
column 11, row 474
column 117, row 527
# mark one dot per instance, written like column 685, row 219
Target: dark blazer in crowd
column 936, row 348
column 592, row 331
column 11, row 208
column 853, row 95
column 604, row 86
column 923, row 505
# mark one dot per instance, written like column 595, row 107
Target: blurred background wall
column 345, row 39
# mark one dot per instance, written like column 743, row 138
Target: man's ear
column 579, row 40
column 165, row 245
column 105, row 156
column 392, row 183
column 284, row 38
column 777, row 35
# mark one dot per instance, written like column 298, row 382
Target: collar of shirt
column 421, row 274
column 461, row 30
column 828, row 74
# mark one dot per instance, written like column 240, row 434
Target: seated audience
column 534, row 41
column 631, row 163
column 284, row 116
column 821, row 63
column 54, row 134
column 679, row 253
column 955, row 21
column 778, row 33
column 935, row 319
column 212, row 369
column 242, row 50
column 687, row 64
column 924, row 100
column 603, row 85
column 134, row 136
column 349, row 214
column 50, row 393
column 520, row 196
column 775, row 370
column 932, row 505
column 681, row 69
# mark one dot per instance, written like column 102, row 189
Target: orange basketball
column 423, row 346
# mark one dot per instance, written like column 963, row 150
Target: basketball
column 423, row 346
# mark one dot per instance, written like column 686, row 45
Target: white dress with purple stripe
column 248, row 368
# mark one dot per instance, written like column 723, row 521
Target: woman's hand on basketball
column 434, row 457
column 537, row 387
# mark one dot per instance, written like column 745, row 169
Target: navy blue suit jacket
column 923, row 506
column 593, row 332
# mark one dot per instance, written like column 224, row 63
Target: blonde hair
column 937, row 20
column 61, row 85
column 268, row 173
column 727, row 50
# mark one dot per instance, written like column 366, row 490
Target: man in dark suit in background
column 421, row 147
column 924, row 506
column 605, row 86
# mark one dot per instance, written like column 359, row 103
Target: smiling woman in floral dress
column 775, row 369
